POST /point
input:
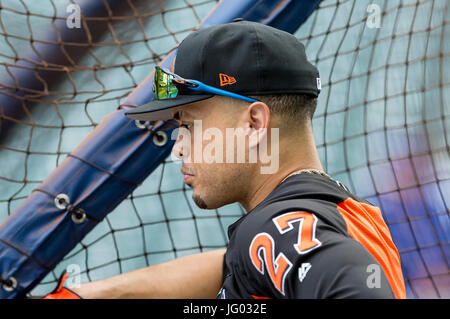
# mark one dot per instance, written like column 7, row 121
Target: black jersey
column 311, row 238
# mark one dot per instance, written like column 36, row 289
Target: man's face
column 202, row 145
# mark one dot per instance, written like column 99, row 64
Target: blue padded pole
column 103, row 170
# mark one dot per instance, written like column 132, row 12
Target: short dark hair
column 293, row 108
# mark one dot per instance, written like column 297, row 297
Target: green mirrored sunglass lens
column 163, row 86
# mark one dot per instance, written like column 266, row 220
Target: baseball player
column 304, row 234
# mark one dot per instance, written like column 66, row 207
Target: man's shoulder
column 313, row 194
column 288, row 254
column 279, row 214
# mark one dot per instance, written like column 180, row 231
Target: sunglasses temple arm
column 210, row 89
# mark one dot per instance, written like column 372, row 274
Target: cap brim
column 160, row 109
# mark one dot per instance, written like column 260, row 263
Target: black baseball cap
column 243, row 57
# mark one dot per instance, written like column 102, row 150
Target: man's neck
column 268, row 185
column 295, row 154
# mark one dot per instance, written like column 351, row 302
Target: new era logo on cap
column 226, row 79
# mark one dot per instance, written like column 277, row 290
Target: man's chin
column 198, row 200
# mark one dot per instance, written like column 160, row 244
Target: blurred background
column 382, row 125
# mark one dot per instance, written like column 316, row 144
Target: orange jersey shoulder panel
column 366, row 225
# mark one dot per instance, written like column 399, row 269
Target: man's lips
column 187, row 176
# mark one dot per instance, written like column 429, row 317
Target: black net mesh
column 381, row 126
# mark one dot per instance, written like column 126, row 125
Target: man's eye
column 186, row 126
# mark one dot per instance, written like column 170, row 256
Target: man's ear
column 258, row 121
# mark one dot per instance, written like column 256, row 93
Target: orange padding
column 366, row 225
column 62, row 293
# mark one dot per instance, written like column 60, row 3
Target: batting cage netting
column 382, row 127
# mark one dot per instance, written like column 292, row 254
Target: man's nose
column 177, row 149
column 182, row 146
